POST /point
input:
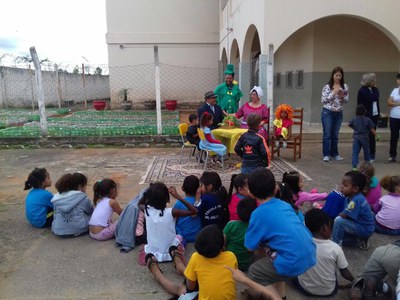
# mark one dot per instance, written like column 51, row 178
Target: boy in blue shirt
column 355, row 224
column 188, row 227
column 275, row 228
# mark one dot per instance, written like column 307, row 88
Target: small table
column 228, row 137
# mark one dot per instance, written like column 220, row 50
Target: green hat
column 230, row 69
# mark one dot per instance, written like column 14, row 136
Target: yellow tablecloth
column 228, row 137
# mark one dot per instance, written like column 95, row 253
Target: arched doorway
column 305, row 59
column 251, row 53
column 235, row 57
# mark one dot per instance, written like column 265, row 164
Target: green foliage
column 230, row 121
column 98, row 71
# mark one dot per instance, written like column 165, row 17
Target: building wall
column 357, row 35
column 186, row 33
column 321, row 46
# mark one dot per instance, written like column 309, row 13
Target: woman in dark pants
column 394, row 105
column 368, row 95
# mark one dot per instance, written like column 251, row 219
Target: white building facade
column 288, row 47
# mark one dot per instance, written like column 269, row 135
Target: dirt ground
column 35, row 264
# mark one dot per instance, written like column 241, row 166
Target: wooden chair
column 183, row 128
column 295, row 139
column 205, row 149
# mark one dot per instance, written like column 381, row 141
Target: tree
column 98, row 71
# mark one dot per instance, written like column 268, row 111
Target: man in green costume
column 228, row 93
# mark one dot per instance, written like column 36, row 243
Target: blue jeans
column 359, row 143
column 331, row 122
column 382, row 230
column 247, row 170
column 348, row 232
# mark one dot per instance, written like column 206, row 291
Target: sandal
column 175, row 251
column 151, row 261
column 356, row 289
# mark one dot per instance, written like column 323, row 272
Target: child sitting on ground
column 320, row 280
column 101, row 225
column 235, row 231
column 362, row 126
column 189, row 226
column 239, row 182
column 210, row 142
column 284, row 238
column 372, row 190
column 160, row 221
column 252, row 147
column 72, row 207
column 213, row 204
column 38, row 206
column 384, row 261
column 284, row 193
column 335, row 203
column 206, row 270
column 387, row 219
column 283, row 124
column 355, row 224
column 295, row 183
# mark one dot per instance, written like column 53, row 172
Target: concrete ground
column 35, row 264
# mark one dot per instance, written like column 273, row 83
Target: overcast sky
column 63, row 31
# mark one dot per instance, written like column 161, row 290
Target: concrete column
column 244, row 80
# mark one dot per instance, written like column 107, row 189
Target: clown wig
column 284, row 107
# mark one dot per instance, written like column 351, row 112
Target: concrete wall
column 18, row 87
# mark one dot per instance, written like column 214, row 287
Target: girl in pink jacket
column 296, row 183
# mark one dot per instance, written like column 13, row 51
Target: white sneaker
column 277, row 144
column 284, row 145
column 339, row 157
column 326, row 158
column 372, row 161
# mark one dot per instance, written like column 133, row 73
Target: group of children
column 256, row 227
column 259, row 231
column 252, row 146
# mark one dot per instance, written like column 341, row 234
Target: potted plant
column 150, row 104
column 229, row 122
column 123, row 96
column 170, row 104
column 99, row 104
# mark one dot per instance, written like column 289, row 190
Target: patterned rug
column 170, row 171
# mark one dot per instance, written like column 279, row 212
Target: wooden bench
column 295, row 138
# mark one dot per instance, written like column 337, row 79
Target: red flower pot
column 171, row 104
column 99, row 104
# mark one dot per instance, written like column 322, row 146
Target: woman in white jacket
column 72, row 207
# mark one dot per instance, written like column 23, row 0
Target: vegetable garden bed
column 87, row 123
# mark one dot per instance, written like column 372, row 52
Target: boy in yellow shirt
column 205, row 270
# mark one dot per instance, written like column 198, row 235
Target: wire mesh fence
column 66, row 85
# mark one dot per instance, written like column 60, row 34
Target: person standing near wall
column 334, row 94
column 394, row 121
column 228, row 93
column 368, row 95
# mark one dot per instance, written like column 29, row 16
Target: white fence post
column 84, row 84
column 38, row 75
column 158, row 93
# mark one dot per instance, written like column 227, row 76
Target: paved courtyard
column 35, row 264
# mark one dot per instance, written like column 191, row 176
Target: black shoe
column 391, row 159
